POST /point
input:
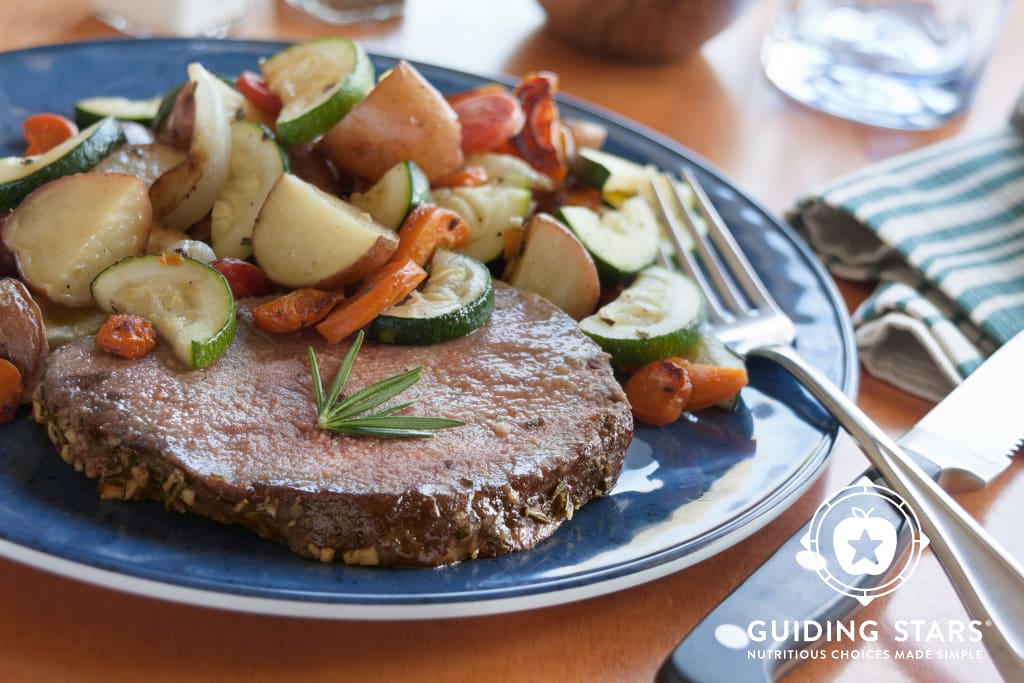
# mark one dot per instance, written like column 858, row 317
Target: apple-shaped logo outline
column 867, row 495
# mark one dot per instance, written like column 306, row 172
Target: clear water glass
column 350, row 11
column 907, row 64
column 143, row 18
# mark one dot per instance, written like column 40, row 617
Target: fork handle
column 989, row 582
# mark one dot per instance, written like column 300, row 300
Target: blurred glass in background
column 907, row 64
column 350, row 11
column 209, row 18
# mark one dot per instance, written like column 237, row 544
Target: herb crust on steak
column 547, row 428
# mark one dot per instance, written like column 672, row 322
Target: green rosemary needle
column 352, row 414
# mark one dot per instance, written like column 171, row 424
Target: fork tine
column 724, row 282
column 729, row 249
column 715, row 309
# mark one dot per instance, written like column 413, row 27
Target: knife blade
column 969, row 435
column 968, row 439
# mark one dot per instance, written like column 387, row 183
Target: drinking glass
column 908, row 64
column 141, row 18
column 350, row 11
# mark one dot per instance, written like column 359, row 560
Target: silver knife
column 968, row 440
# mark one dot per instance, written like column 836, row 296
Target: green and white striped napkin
column 942, row 231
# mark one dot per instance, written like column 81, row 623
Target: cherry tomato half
column 255, row 89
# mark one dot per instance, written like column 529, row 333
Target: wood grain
column 716, row 102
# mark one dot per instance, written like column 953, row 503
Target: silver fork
column 744, row 315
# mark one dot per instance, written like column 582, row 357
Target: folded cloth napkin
column 942, row 230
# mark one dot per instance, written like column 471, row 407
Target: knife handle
column 727, row 645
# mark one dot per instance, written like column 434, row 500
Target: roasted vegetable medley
column 348, row 201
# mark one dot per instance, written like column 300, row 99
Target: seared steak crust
column 547, row 429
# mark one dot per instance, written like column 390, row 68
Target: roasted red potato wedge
column 22, row 332
column 557, row 266
column 404, row 118
column 67, row 231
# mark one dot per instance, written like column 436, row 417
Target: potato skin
column 368, row 263
column 404, row 118
column 22, row 333
column 305, row 237
column 8, row 264
column 557, row 266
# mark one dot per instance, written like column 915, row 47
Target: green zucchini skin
column 420, row 332
column 660, row 315
column 621, row 241
column 416, row 324
column 92, row 109
column 94, row 144
column 400, row 190
column 199, row 324
column 311, row 114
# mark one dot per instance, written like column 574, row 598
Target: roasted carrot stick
column 711, row 384
column 295, row 310
column 425, row 229
column 515, row 238
column 395, row 281
column 128, row 336
column 11, row 390
column 45, row 131
column 659, row 391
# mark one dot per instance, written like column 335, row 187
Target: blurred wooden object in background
column 644, row 30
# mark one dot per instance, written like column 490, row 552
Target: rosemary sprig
column 350, row 414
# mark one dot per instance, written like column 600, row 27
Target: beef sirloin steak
column 547, row 429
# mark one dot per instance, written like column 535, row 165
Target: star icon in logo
column 864, row 548
column 856, row 534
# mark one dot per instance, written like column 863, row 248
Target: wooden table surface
column 717, row 103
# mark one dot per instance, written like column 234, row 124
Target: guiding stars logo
column 855, row 544
column 856, row 534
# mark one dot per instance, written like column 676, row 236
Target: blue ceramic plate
column 687, row 491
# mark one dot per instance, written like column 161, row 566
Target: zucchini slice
column 319, row 81
column 489, row 211
column 616, row 177
column 658, row 316
column 20, row 175
column 622, row 241
column 399, row 191
column 257, row 161
column 506, row 169
column 456, row 300
column 188, row 302
column 92, row 109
